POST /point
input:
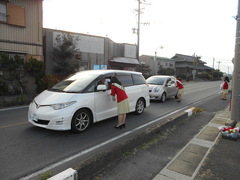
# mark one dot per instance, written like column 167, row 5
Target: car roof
column 108, row 71
column 163, row 76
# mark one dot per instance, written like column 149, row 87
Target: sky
column 206, row 28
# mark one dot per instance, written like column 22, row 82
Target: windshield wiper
column 55, row 90
column 72, row 91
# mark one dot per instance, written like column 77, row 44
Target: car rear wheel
column 81, row 120
column 139, row 106
column 163, row 98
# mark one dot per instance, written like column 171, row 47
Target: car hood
column 49, row 97
column 152, row 86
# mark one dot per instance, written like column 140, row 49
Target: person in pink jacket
column 122, row 101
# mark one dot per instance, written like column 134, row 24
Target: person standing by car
column 225, row 88
column 180, row 89
column 122, row 101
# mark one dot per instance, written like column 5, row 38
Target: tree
column 166, row 71
column 145, row 69
column 12, row 74
column 64, row 52
column 36, row 68
column 217, row 74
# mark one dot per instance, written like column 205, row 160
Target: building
column 94, row 52
column 22, row 34
column 187, row 66
column 21, row 28
column 157, row 63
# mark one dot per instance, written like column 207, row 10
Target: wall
column 94, row 50
column 149, row 60
column 24, row 39
column 130, row 50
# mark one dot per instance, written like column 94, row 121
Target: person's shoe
column 120, row 126
column 178, row 100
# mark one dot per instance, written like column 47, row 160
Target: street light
column 161, row 47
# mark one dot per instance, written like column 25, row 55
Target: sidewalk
column 206, row 156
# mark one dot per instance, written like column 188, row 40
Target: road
column 28, row 151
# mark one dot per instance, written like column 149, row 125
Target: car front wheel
column 163, row 98
column 139, row 106
column 81, row 121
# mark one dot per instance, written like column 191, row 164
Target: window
column 12, row 14
column 3, row 12
column 16, row 15
column 125, row 79
column 138, row 79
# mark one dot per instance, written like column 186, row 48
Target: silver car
column 162, row 87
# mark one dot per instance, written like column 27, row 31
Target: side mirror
column 101, row 87
column 169, row 84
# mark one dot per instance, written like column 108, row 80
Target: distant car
column 162, row 87
column 84, row 98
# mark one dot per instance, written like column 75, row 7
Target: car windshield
column 156, row 80
column 75, row 83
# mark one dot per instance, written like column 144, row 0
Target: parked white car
column 162, row 87
column 83, row 99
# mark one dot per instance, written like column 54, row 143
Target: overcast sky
column 205, row 28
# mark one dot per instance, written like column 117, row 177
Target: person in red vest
column 122, row 101
column 180, row 89
column 225, row 88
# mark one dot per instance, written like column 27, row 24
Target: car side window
column 168, row 82
column 125, row 79
column 138, row 79
column 107, row 79
column 92, row 87
column 173, row 80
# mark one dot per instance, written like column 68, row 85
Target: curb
column 68, row 174
column 89, row 167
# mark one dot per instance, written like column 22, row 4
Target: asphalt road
column 28, row 151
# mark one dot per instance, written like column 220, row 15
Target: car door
column 104, row 106
column 171, row 86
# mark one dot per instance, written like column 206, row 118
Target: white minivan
column 82, row 99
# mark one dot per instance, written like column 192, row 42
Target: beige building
column 155, row 63
column 21, row 28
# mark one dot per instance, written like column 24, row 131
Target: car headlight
column 157, row 89
column 62, row 105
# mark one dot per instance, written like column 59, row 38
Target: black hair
column 226, row 79
column 114, row 79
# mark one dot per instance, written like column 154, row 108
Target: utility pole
column 138, row 30
column 213, row 67
column 138, row 24
column 219, row 65
column 213, row 62
column 235, row 114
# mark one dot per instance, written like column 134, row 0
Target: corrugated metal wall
column 24, row 39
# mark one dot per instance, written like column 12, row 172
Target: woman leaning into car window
column 122, row 101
